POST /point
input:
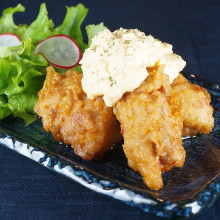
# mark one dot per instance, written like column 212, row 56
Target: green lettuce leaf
column 21, row 73
column 7, row 24
column 8, row 51
column 21, row 79
column 71, row 25
column 92, row 30
column 41, row 28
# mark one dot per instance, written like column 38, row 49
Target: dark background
column 30, row 191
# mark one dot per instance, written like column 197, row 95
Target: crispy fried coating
column 153, row 118
column 88, row 125
column 192, row 102
column 152, row 134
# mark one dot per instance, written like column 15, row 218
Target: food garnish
column 21, row 73
column 60, row 51
column 9, row 40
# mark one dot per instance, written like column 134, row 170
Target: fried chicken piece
column 152, row 134
column 193, row 103
column 88, row 125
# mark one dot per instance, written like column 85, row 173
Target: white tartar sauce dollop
column 116, row 63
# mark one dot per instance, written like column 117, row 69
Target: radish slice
column 9, row 40
column 60, row 51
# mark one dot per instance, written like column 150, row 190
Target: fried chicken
column 192, row 102
column 153, row 118
column 152, row 134
column 88, row 125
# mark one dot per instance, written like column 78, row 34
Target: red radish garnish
column 9, row 40
column 60, row 51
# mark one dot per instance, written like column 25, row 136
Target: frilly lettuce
column 92, row 30
column 21, row 73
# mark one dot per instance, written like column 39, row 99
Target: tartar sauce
column 116, row 63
